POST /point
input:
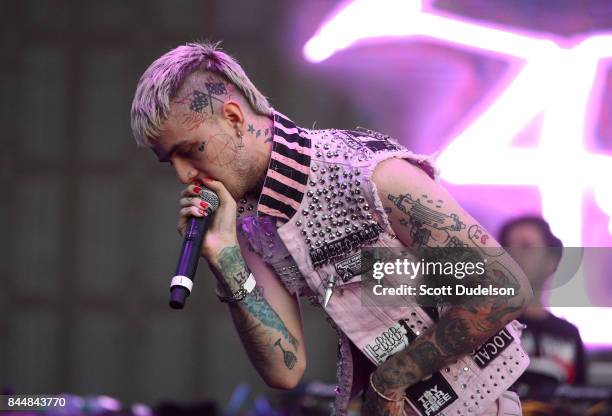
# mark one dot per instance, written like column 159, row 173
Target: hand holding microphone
column 206, row 238
column 193, row 230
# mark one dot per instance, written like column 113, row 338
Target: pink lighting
column 561, row 79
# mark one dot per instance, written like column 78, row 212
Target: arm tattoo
column 465, row 325
column 233, row 267
column 395, row 373
column 428, row 226
column 259, row 308
column 425, row 355
column 235, row 271
column 289, row 357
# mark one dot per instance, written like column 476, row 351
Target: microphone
column 182, row 282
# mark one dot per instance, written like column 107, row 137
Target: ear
column 232, row 113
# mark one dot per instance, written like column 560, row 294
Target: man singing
column 296, row 207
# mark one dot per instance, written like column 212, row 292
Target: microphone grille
column 210, row 197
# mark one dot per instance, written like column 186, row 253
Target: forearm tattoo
column 233, row 268
column 259, row 319
column 465, row 325
column 258, row 307
column 289, row 357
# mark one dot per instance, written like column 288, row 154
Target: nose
column 184, row 171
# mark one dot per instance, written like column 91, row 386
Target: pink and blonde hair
column 162, row 80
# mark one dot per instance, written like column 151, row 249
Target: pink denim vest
column 339, row 214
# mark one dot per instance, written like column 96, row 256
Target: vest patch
column 353, row 265
column 432, row 395
column 494, row 346
column 345, row 245
column 373, row 141
column 387, row 343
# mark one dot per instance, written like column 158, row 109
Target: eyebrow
column 165, row 157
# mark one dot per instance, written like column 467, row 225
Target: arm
column 267, row 320
column 423, row 214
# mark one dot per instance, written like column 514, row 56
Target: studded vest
column 317, row 246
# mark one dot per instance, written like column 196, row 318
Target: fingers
column 225, row 198
column 191, row 190
column 193, row 201
column 191, row 206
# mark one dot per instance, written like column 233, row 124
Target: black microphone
column 182, row 282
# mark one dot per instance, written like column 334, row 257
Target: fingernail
column 197, row 182
column 204, row 205
column 197, row 189
column 202, row 212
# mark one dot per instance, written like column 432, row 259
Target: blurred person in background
column 553, row 344
column 296, row 207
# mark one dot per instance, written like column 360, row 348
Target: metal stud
column 314, row 168
column 305, row 212
column 298, row 223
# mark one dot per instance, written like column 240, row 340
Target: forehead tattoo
column 200, row 102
